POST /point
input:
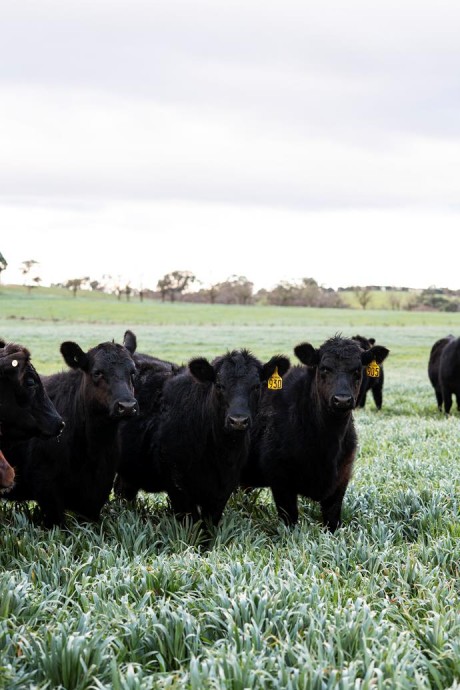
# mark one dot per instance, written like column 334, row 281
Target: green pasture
column 136, row 601
column 46, row 317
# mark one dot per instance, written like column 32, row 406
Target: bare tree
column 395, row 301
column 363, row 295
column 26, row 269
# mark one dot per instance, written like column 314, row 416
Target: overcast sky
column 274, row 140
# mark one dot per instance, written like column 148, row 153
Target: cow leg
column 52, row 511
column 447, row 397
column 212, row 513
column 182, row 505
column 331, row 508
column 362, row 398
column 90, row 513
column 286, row 504
column 378, row 397
column 123, row 489
column 439, row 399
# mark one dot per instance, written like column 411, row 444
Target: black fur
column 434, row 364
column 193, row 436
column 449, row 373
column 76, row 471
column 25, row 408
column 373, row 384
column 304, row 441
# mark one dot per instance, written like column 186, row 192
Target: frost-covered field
column 136, row 602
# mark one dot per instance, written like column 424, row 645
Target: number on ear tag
column 275, row 382
column 373, row 370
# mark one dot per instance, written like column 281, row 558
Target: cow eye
column 97, row 376
column 219, row 386
column 30, row 382
column 324, row 370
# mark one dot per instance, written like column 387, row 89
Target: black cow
column 304, row 442
column 433, row 366
column 25, row 408
column 193, row 437
column 370, row 383
column 449, row 373
column 76, row 471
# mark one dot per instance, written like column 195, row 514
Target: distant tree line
column 177, row 287
column 184, row 286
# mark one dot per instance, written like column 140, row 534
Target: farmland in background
column 135, row 602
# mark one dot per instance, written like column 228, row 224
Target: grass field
column 135, row 602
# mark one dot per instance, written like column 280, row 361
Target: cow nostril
column 342, row 401
column 126, row 408
column 238, row 421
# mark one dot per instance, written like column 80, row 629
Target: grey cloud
column 353, row 74
column 397, row 63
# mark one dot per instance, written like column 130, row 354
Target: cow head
column 236, row 380
column 108, row 375
column 25, row 408
column 6, row 474
column 339, row 370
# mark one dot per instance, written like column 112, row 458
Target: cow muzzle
column 125, row 409
column 342, row 403
column 238, row 422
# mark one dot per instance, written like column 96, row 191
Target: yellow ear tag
column 275, row 382
column 373, row 370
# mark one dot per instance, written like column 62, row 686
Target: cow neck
column 231, row 448
column 93, row 421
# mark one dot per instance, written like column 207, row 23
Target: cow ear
column 74, row 356
column 372, row 341
column 307, row 354
column 377, row 353
column 276, row 362
column 130, row 341
column 202, row 370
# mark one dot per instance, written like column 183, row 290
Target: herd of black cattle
column 123, row 421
